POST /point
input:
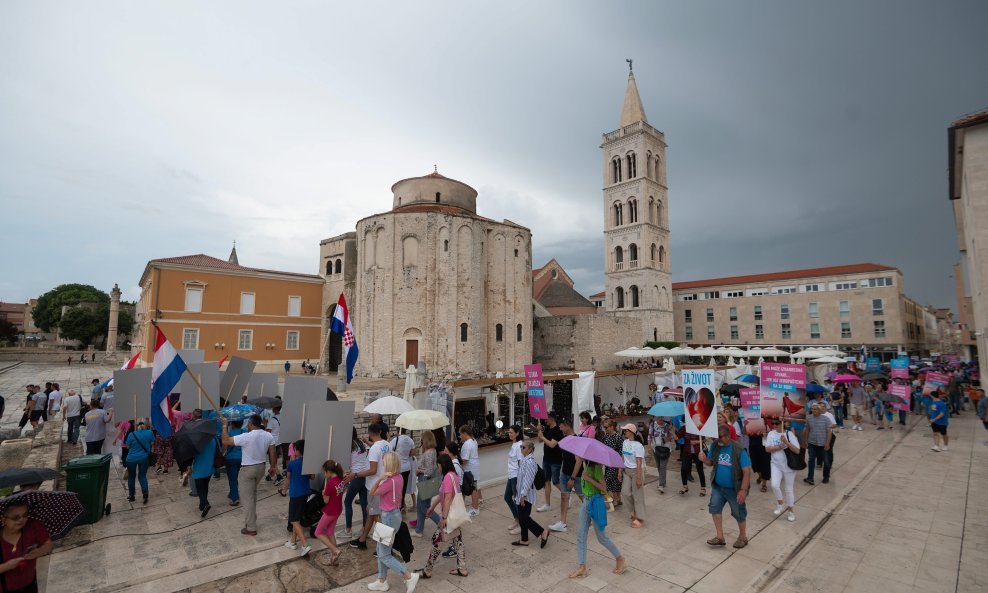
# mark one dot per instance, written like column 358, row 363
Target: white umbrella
column 629, row 353
column 828, row 360
column 774, row 352
column 831, row 352
column 389, row 404
column 736, row 352
column 661, row 350
column 809, row 353
column 411, row 382
column 422, row 420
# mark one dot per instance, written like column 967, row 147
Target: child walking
column 298, row 493
column 332, row 496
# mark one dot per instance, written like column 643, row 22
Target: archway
column 334, row 345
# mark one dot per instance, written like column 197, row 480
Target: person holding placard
column 257, row 446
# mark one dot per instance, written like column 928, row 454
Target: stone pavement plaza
column 896, row 515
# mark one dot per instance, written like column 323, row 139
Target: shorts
column 36, row 415
column 373, row 505
column 296, row 506
column 939, row 428
column 564, row 484
column 856, row 410
column 552, row 471
column 719, row 496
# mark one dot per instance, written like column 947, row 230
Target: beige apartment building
column 848, row 306
column 967, row 147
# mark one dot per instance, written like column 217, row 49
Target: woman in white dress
column 470, row 456
column 776, row 443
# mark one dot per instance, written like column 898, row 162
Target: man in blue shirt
column 729, row 484
column 939, row 418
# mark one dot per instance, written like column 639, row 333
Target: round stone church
column 433, row 281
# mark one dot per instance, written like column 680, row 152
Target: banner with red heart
column 699, row 387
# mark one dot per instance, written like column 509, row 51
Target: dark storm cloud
column 800, row 134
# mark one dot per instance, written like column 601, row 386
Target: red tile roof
column 789, row 275
column 971, row 119
column 598, row 295
column 200, row 260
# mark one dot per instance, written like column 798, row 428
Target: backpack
column 469, row 484
column 539, row 479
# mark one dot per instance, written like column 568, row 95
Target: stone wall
column 583, row 342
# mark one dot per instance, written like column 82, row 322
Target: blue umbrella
column 748, row 379
column 815, row 388
column 667, row 408
column 239, row 411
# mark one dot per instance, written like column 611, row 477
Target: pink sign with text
column 903, row 391
column 536, row 391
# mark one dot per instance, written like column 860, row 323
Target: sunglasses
column 15, row 517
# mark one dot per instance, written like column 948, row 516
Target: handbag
column 152, row 458
column 795, row 461
column 457, row 514
column 219, row 460
column 429, row 487
column 382, row 533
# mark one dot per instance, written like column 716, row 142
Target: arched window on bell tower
column 616, row 170
column 632, row 210
column 619, row 296
column 618, row 258
column 618, row 214
column 632, row 165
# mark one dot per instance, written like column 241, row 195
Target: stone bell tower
column 636, row 221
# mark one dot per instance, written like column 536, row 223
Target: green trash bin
column 89, row 476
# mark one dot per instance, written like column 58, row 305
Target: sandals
column 764, row 487
column 740, row 543
column 637, row 524
column 336, row 557
column 580, row 574
column 456, row 572
column 621, row 566
column 716, row 541
column 683, row 490
column 703, row 491
column 519, row 543
column 422, row 574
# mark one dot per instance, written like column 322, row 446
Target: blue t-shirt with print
column 936, row 408
column 298, row 484
column 723, row 477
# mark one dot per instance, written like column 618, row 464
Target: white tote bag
column 457, row 514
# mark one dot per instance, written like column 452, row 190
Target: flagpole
column 201, row 390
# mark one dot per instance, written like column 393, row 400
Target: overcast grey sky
column 800, row 134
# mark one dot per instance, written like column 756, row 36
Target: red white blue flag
column 342, row 326
column 166, row 370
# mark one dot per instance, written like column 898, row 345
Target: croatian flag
column 126, row 367
column 342, row 326
column 166, row 370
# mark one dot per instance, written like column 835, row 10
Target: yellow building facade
column 225, row 309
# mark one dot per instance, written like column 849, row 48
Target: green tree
column 48, row 312
column 82, row 324
column 8, row 331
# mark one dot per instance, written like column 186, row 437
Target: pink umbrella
column 846, row 379
column 591, row 450
column 831, row 374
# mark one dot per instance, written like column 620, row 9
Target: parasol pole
column 262, row 389
column 201, row 390
column 301, row 430
column 135, row 409
column 200, row 393
column 329, row 445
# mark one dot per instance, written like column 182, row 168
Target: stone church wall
column 583, row 342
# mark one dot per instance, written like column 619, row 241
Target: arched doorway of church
column 412, row 337
column 334, row 345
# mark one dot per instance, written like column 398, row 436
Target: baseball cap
column 631, row 427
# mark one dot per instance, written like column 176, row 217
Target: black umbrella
column 265, row 402
column 732, row 388
column 192, row 438
column 57, row 511
column 26, row 475
column 889, row 398
column 874, row 376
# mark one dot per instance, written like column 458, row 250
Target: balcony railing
column 619, row 266
column 633, row 263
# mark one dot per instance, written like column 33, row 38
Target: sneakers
column 790, row 516
column 356, row 543
column 449, row 553
column 378, row 586
column 856, row 427
column 473, row 512
column 543, row 508
column 414, row 533
column 291, row 545
column 662, row 490
column 558, row 526
column 826, row 480
column 279, row 480
column 809, row 481
column 514, row 530
column 305, row 551
column 778, row 510
column 935, row 448
column 347, row 532
column 411, row 582
column 943, row 448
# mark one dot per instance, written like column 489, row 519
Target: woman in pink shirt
column 390, row 488
column 449, row 489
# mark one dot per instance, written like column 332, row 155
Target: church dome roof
column 434, row 189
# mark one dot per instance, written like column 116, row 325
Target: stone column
column 111, row 332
